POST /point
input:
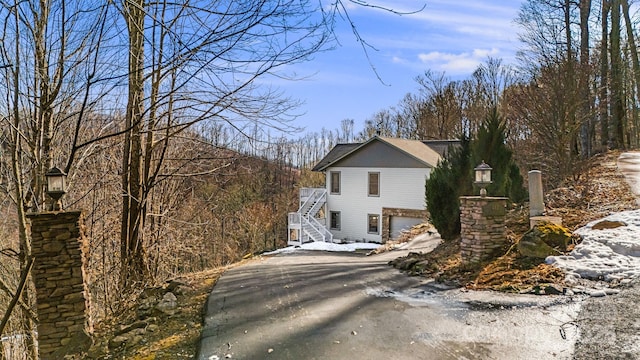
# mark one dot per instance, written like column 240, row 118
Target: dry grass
column 177, row 335
column 600, row 191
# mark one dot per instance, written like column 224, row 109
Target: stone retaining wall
column 59, row 247
column 483, row 229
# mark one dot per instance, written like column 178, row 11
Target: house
column 373, row 191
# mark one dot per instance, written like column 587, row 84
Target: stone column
column 483, row 231
column 59, row 247
column 536, row 201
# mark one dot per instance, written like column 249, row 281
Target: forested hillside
column 185, row 156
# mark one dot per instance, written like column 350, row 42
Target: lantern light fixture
column 56, row 185
column 483, row 177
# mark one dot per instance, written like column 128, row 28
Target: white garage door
column 399, row 223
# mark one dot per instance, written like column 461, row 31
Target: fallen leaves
column 598, row 192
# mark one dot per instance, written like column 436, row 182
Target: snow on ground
column 326, row 246
column 609, row 254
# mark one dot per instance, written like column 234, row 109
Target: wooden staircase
column 309, row 222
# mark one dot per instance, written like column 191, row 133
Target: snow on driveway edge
column 612, row 255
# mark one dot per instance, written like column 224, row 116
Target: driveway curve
column 610, row 326
column 319, row 305
column 629, row 166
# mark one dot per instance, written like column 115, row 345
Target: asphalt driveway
column 319, row 305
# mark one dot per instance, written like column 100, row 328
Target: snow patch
column 607, row 254
column 326, row 246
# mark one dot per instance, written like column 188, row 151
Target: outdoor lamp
column 483, row 177
column 56, row 185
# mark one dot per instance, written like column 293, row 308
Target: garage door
column 399, row 223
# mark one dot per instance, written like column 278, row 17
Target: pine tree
column 490, row 146
column 453, row 177
column 447, row 182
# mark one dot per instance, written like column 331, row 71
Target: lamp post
column 483, row 177
column 56, row 186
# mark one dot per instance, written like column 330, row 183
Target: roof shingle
column 414, row 148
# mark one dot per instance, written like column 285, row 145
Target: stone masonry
column 483, row 229
column 59, row 246
column 387, row 213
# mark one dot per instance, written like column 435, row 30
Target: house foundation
column 60, row 248
column 483, row 231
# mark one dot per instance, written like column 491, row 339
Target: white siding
column 399, row 188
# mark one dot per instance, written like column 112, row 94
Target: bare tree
column 441, row 109
column 202, row 63
column 635, row 66
column 584, row 75
column 603, row 105
column 42, row 51
column 617, row 96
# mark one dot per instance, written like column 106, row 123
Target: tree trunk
column 17, row 172
column 132, row 259
column 583, row 80
column 571, row 84
column 604, row 78
column 617, row 94
column 634, row 58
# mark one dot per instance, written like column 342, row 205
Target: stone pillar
column 483, row 231
column 536, row 201
column 59, row 247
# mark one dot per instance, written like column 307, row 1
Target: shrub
column 444, row 187
column 453, row 177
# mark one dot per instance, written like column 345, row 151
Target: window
column 373, row 226
column 374, row 184
column 335, row 182
column 335, row 220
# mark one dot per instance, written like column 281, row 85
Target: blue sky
column 450, row 36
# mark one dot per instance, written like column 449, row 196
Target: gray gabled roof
column 442, row 146
column 414, row 148
column 338, row 152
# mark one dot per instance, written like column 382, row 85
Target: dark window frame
column 377, row 193
column 335, row 186
column 334, row 225
column 370, row 230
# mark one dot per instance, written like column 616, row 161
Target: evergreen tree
column 517, row 192
column 453, row 177
column 447, row 182
column 490, row 146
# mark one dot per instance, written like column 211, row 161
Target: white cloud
column 438, row 56
column 464, row 62
column 483, row 53
column 458, row 66
column 398, row 60
column 454, row 37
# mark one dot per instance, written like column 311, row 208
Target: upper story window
column 334, row 179
column 374, row 184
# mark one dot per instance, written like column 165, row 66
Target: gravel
column 610, row 326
